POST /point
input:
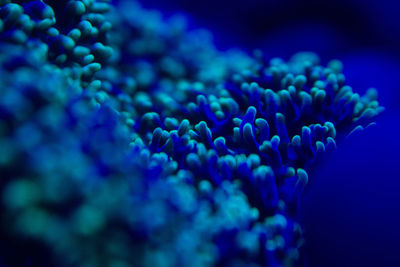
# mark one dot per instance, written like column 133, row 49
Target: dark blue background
column 351, row 208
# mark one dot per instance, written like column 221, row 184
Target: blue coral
column 145, row 145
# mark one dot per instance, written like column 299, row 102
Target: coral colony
column 127, row 139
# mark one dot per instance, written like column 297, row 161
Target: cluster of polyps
column 181, row 154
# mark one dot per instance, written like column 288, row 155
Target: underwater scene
column 163, row 133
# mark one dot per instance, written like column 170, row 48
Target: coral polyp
column 128, row 139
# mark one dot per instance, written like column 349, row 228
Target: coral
column 144, row 145
column 74, row 31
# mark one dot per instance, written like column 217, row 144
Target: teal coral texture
column 129, row 139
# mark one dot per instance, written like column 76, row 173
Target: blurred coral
column 144, row 145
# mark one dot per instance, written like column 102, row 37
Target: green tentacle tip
column 300, row 81
column 77, row 8
column 219, row 143
column 263, row 172
column 302, row 177
column 248, row 133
